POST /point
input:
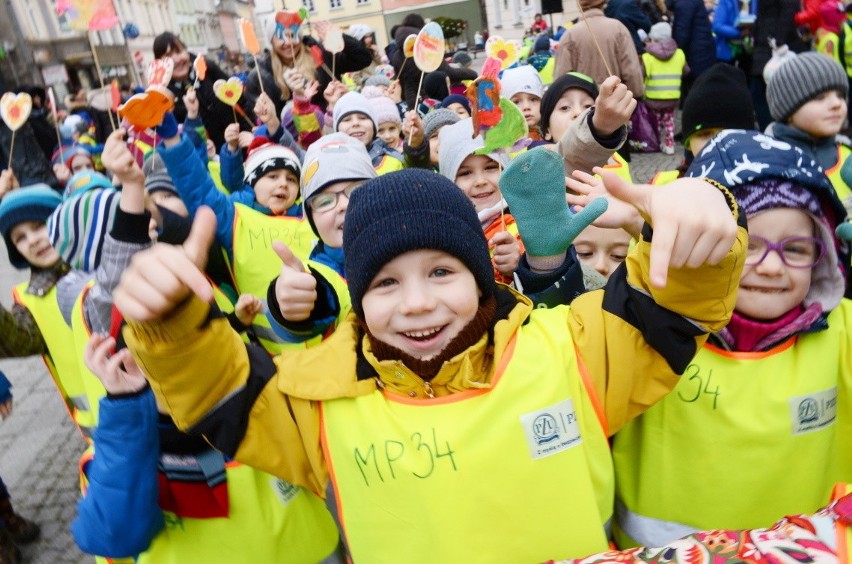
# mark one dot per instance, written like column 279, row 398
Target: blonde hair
column 303, row 62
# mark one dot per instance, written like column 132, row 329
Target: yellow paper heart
column 15, row 109
column 228, row 91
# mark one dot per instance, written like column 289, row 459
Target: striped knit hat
column 78, row 227
column 800, row 79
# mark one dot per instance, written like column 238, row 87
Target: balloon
column 15, row 109
column 429, row 47
column 228, row 91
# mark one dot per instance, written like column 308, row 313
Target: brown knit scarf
column 427, row 369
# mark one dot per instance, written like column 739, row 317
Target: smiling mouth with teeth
column 423, row 335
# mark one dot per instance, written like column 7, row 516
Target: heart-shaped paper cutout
column 160, row 72
column 333, row 42
column 15, row 109
column 408, row 46
column 228, row 91
column 200, row 66
column 146, row 109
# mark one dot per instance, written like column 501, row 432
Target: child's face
column 822, row 116
column 81, row 162
column 328, row 210
column 602, row 249
column 31, row 240
column 434, row 145
column 420, row 301
column 571, row 104
column 478, row 177
column 389, row 132
column 459, row 110
column 699, row 139
column 277, row 190
column 530, row 106
column 357, row 125
column 770, row 289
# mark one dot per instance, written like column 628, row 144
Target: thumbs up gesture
column 163, row 277
column 296, row 288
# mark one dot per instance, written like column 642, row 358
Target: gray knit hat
column 377, row 80
column 436, row 119
column 457, row 143
column 800, row 79
column 350, row 103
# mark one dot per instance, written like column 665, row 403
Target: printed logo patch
column 284, row 490
column 552, row 429
column 814, row 411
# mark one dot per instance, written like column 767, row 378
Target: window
column 362, row 2
column 309, row 4
column 335, row 4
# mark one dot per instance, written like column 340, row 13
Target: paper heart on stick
column 333, row 42
column 228, row 91
column 249, row 37
column 200, row 66
column 429, row 47
column 15, row 109
column 160, row 72
column 146, row 109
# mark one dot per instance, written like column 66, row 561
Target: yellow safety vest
column 62, row 359
column 388, row 164
column 843, row 530
column 665, row 176
column 847, row 47
column 81, row 332
column 662, row 78
column 520, row 472
column 843, row 190
column 619, row 166
column 215, row 170
column 269, row 520
column 546, row 73
column 827, row 43
column 255, row 263
column 743, row 440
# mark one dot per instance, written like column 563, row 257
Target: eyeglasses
column 327, row 201
column 795, row 252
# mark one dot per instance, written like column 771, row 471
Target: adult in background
column 294, row 52
column 215, row 114
column 631, row 15
column 367, row 36
column 691, row 31
column 410, row 76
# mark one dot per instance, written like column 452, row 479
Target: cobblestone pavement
column 40, row 448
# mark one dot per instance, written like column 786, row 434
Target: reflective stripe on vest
column 738, row 428
column 62, row 358
column 662, row 78
column 479, row 469
column 81, row 333
column 665, row 176
column 256, row 264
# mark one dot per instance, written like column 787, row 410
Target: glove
column 844, row 231
column 534, row 187
column 169, row 127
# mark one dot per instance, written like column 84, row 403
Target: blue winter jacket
column 724, row 19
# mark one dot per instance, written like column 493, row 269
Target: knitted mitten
column 169, row 127
column 844, row 231
column 534, row 187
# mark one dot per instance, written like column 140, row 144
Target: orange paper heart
column 146, row 109
column 229, row 91
column 160, row 72
column 200, row 66
column 15, row 109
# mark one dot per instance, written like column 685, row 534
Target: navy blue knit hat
column 33, row 203
column 405, row 211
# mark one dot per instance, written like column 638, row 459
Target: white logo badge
column 552, row 429
column 284, row 490
column 813, row 412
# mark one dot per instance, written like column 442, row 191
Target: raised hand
column 9, row 182
column 618, row 215
column 247, row 308
column 190, row 100
column 692, row 222
column 117, row 371
column 296, row 288
column 118, row 159
column 613, row 106
column 507, row 253
column 412, row 128
column 232, row 136
column 161, row 278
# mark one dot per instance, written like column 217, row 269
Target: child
column 664, row 66
column 478, row 175
column 457, row 103
column 70, row 161
column 429, row 322
column 719, row 99
column 309, row 302
column 542, row 59
column 762, row 405
column 389, row 122
column 421, row 136
column 353, row 115
column 602, row 248
column 807, row 99
column 522, row 86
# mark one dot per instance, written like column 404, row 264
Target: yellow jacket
column 629, row 370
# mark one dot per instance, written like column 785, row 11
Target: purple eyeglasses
column 795, row 252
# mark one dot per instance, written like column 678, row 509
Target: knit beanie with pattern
column 800, row 79
column 719, row 99
column 409, row 210
column 78, row 228
column 32, row 203
column 436, row 119
column 350, row 103
column 558, row 88
column 265, row 156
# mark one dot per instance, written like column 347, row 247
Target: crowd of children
column 369, row 332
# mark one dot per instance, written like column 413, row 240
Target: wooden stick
column 12, row 149
column 333, row 65
column 416, row 101
column 100, row 75
column 233, row 109
column 259, row 77
column 595, row 39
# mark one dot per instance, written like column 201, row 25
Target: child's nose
column 416, row 299
column 772, row 264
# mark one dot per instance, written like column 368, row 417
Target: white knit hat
column 265, row 156
column 521, row 79
column 350, row 103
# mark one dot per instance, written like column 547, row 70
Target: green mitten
column 534, row 187
column 844, row 231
